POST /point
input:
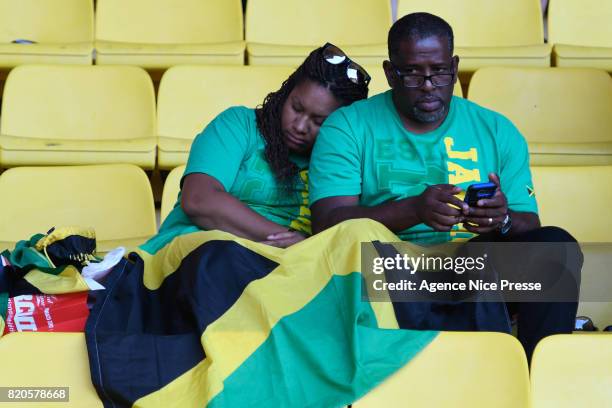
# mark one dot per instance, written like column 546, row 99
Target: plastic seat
column 67, row 114
column 61, row 29
column 577, row 200
column 171, row 190
column 458, row 370
column 379, row 83
column 191, row 96
column 159, row 34
column 116, row 200
column 565, row 114
column 572, row 370
column 581, row 33
column 48, row 360
column 489, row 33
column 283, row 32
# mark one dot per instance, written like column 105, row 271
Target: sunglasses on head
column 354, row 72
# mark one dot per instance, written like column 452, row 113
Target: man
column 401, row 158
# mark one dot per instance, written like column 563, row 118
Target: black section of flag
column 139, row 340
column 13, row 284
column 442, row 313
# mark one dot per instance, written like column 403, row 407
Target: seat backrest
column 314, row 22
column 576, row 199
column 549, row 105
column 48, row 21
column 69, row 359
column 477, row 370
column 191, row 96
column 78, row 102
column 169, row 21
column 115, row 199
column 379, row 82
column 580, row 22
column 171, row 190
column 572, row 370
column 485, row 23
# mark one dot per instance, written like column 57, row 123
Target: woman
column 247, row 171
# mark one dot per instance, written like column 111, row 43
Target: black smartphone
column 479, row 191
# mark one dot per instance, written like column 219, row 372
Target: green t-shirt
column 231, row 149
column 364, row 150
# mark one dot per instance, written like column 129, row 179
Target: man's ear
column 389, row 73
column 456, row 67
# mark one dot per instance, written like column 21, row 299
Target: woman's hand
column 284, row 239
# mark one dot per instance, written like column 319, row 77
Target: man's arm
column 432, row 207
column 523, row 222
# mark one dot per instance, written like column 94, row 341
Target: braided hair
column 314, row 68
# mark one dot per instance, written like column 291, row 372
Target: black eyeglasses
column 354, row 72
column 418, row 80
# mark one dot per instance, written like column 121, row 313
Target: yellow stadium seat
column 283, row 32
column 577, row 200
column 490, row 33
column 162, row 33
column 191, row 96
column 572, row 370
column 68, row 114
column 379, row 83
column 115, row 199
column 458, row 370
column 171, row 190
column 565, row 114
column 61, row 29
column 48, row 360
column 581, row 32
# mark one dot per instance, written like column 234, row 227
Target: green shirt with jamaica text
column 364, row 150
column 231, row 149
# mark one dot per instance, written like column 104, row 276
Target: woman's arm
column 209, row 206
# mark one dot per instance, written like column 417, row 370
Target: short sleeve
column 335, row 164
column 515, row 175
column 220, row 148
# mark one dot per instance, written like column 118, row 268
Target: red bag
column 47, row 313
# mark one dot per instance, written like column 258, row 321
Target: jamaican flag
column 45, row 264
column 213, row 320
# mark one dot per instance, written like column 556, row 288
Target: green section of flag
column 3, row 306
column 26, row 257
column 329, row 353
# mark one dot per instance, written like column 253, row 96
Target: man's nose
column 428, row 84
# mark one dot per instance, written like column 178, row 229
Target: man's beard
column 428, row 117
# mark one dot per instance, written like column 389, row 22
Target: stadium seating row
column 456, row 370
column 490, row 370
column 70, row 114
column 117, row 201
column 157, row 35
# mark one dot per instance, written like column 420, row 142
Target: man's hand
column 488, row 213
column 438, row 207
column 284, row 239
